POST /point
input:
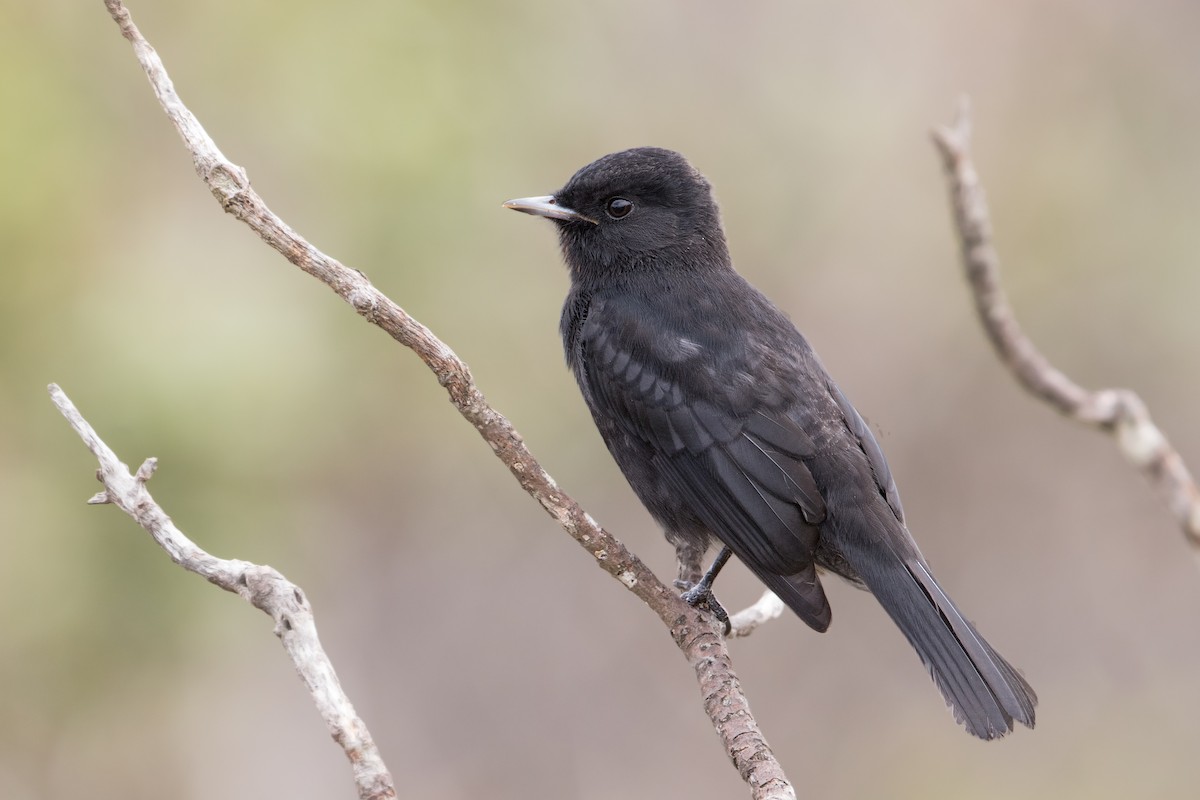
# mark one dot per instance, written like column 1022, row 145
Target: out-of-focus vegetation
column 489, row 656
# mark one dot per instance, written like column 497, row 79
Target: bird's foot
column 701, row 596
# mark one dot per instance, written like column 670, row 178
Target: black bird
column 726, row 424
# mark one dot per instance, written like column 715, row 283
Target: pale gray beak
column 547, row 207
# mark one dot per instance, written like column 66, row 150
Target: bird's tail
column 983, row 689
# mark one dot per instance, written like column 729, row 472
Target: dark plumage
column 726, row 424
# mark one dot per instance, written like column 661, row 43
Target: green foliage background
column 490, row 658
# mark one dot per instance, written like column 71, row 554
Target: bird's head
column 640, row 209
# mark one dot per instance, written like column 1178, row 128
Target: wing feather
column 743, row 474
column 866, row 440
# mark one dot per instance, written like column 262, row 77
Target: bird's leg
column 701, row 592
column 690, row 554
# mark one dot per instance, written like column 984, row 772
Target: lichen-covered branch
column 261, row 586
column 1119, row 412
column 694, row 632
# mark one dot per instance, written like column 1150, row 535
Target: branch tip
column 954, row 140
column 146, row 470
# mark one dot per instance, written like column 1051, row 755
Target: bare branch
column 1119, row 412
column 694, row 633
column 261, row 586
column 768, row 607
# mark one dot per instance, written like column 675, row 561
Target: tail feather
column 1013, row 694
column 985, row 692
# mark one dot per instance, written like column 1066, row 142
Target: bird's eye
column 618, row 207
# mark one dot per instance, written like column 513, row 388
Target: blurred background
column 485, row 650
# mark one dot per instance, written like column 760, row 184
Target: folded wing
column 742, row 471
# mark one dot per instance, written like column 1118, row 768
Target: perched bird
column 726, row 424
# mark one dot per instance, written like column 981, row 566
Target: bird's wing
column 741, row 471
column 874, row 453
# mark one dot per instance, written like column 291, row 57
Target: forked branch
column 261, row 586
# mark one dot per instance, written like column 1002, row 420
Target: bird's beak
column 547, row 207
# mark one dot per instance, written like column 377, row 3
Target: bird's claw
column 701, row 596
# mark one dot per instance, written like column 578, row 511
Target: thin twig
column 1119, row 412
column 261, row 586
column 768, row 607
column 694, row 632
